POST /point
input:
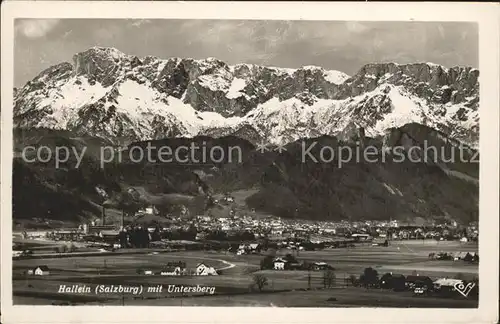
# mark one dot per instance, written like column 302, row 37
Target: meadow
column 234, row 286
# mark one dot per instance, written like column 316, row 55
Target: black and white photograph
column 278, row 163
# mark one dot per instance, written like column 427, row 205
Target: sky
column 334, row 45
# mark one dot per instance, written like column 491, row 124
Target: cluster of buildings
column 455, row 256
column 233, row 223
column 171, row 269
column 248, row 248
column 280, row 263
column 278, row 227
column 41, row 270
column 289, row 262
column 180, row 269
column 424, row 285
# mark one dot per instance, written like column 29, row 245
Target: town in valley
column 247, row 256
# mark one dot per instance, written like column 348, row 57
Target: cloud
column 66, row 34
column 356, row 27
column 35, row 28
column 139, row 22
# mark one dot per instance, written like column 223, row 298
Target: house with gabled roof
column 42, row 270
column 205, row 270
column 280, row 264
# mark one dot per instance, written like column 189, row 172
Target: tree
column 468, row 257
column 71, row 247
column 290, row 258
column 192, row 231
column 260, row 281
column 475, row 258
column 267, row 263
column 369, row 278
column 353, row 280
column 129, row 202
column 385, row 281
column 122, row 236
column 265, row 243
column 306, row 265
column 329, row 278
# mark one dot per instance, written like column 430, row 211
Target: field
column 233, row 285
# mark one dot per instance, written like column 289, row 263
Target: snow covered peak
column 100, row 55
column 212, row 59
column 312, row 67
column 436, row 66
column 111, row 51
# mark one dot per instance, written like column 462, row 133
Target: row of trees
column 329, row 278
column 140, row 237
column 449, row 256
column 188, row 234
column 224, row 236
column 137, row 238
column 370, row 279
column 66, row 248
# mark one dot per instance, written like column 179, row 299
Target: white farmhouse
column 204, row 270
column 279, row 264
column 41, row 270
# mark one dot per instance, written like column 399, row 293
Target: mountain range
column 106, row 93
column 105, row 97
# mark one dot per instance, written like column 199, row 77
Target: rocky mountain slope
column 123, row 98
column 281, row 183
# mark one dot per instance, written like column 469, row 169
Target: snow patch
column 161, row 66
column 152, row 103
column 288, row 71
column 197, row 119
column 335, row 77
column 312, row 67
column 405, row 109
column 392, row 190
column 236, row 87
column 389, row 189
column 214, row 82
column 68, row 99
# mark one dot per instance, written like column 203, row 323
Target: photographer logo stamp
column 464, row 290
